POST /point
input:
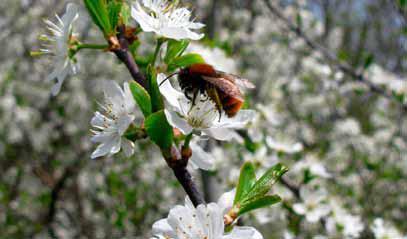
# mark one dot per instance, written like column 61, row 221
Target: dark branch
column 178, row 163
column 55, row 194
column 344, row 67
column 125, row 56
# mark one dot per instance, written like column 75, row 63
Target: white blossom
column 166, row 19
column 313, row 206
column 109, row 128
column 382, row 230
column 313, row 164
column 203, row 222
column 201, row 116
column 284, row 146
column 351, row 226
column 58, row 44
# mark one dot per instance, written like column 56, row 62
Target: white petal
column 180, row 33
column 299, row 208
column 99, row 120
column 238, row 121
column 243, row 233
column 123, row 123
column 222, row 134
column 226, row 200
column 171, row 95
column 319, row 170
column 146, row 21
column 128, row 147
column 200, row 158
column 113, row 92
column 176, row 121
column 162, row 227
column 103, row 137
column 110, row 147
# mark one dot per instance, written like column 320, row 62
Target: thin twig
column 55, row 194
column 342, row 66
column 178, row 162
column 125, row 56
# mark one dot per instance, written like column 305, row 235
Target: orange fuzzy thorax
column 202, row 69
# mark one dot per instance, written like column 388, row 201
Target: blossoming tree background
column 97, row 140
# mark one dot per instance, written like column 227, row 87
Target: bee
column 220, row 87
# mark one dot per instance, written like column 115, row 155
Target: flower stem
column 160, row 42
column 92, row 46
column 188, row 140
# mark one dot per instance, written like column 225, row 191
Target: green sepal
column 246, row 181
column 159, row 130
column 142, row 98
column 185, row 61
column 258, row 203
column 157, row 101
column 175, row 49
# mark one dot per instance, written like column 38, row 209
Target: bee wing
column 225, row 85
column 239, row 81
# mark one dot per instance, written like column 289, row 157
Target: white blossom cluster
column 346, row 151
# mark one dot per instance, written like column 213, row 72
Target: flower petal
column 243, row 233
column 238, row 121
column 222, row 134
column 176, row 121
column 128, row 147
column 200, row 158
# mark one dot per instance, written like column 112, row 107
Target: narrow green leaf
column 175, row 49
column 114, row 9
column 99, row 14
column 259, row 203
column 157, row 101
column 125, row 14
column 246, row 181
column 185, row 61
column 159, row 130
column 141, row 97
column 264, row 184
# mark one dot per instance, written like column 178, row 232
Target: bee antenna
column 173, row 74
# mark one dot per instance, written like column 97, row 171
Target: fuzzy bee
column 220, row 87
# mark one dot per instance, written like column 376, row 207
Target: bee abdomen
column 231, row 106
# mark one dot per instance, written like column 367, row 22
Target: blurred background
column 342, row 140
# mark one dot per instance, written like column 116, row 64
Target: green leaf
column 259, row 203
column 159, row 130
column 114, row 9
column 246, row 181
column 157, row 101
column 264, row 184
column 125, row 14
column 142, row 98
column 185, row 61
column 100, row 15
column 175, row 49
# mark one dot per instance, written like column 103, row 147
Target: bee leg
column 187, row 96
column 220, row 114
column 194, row 96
